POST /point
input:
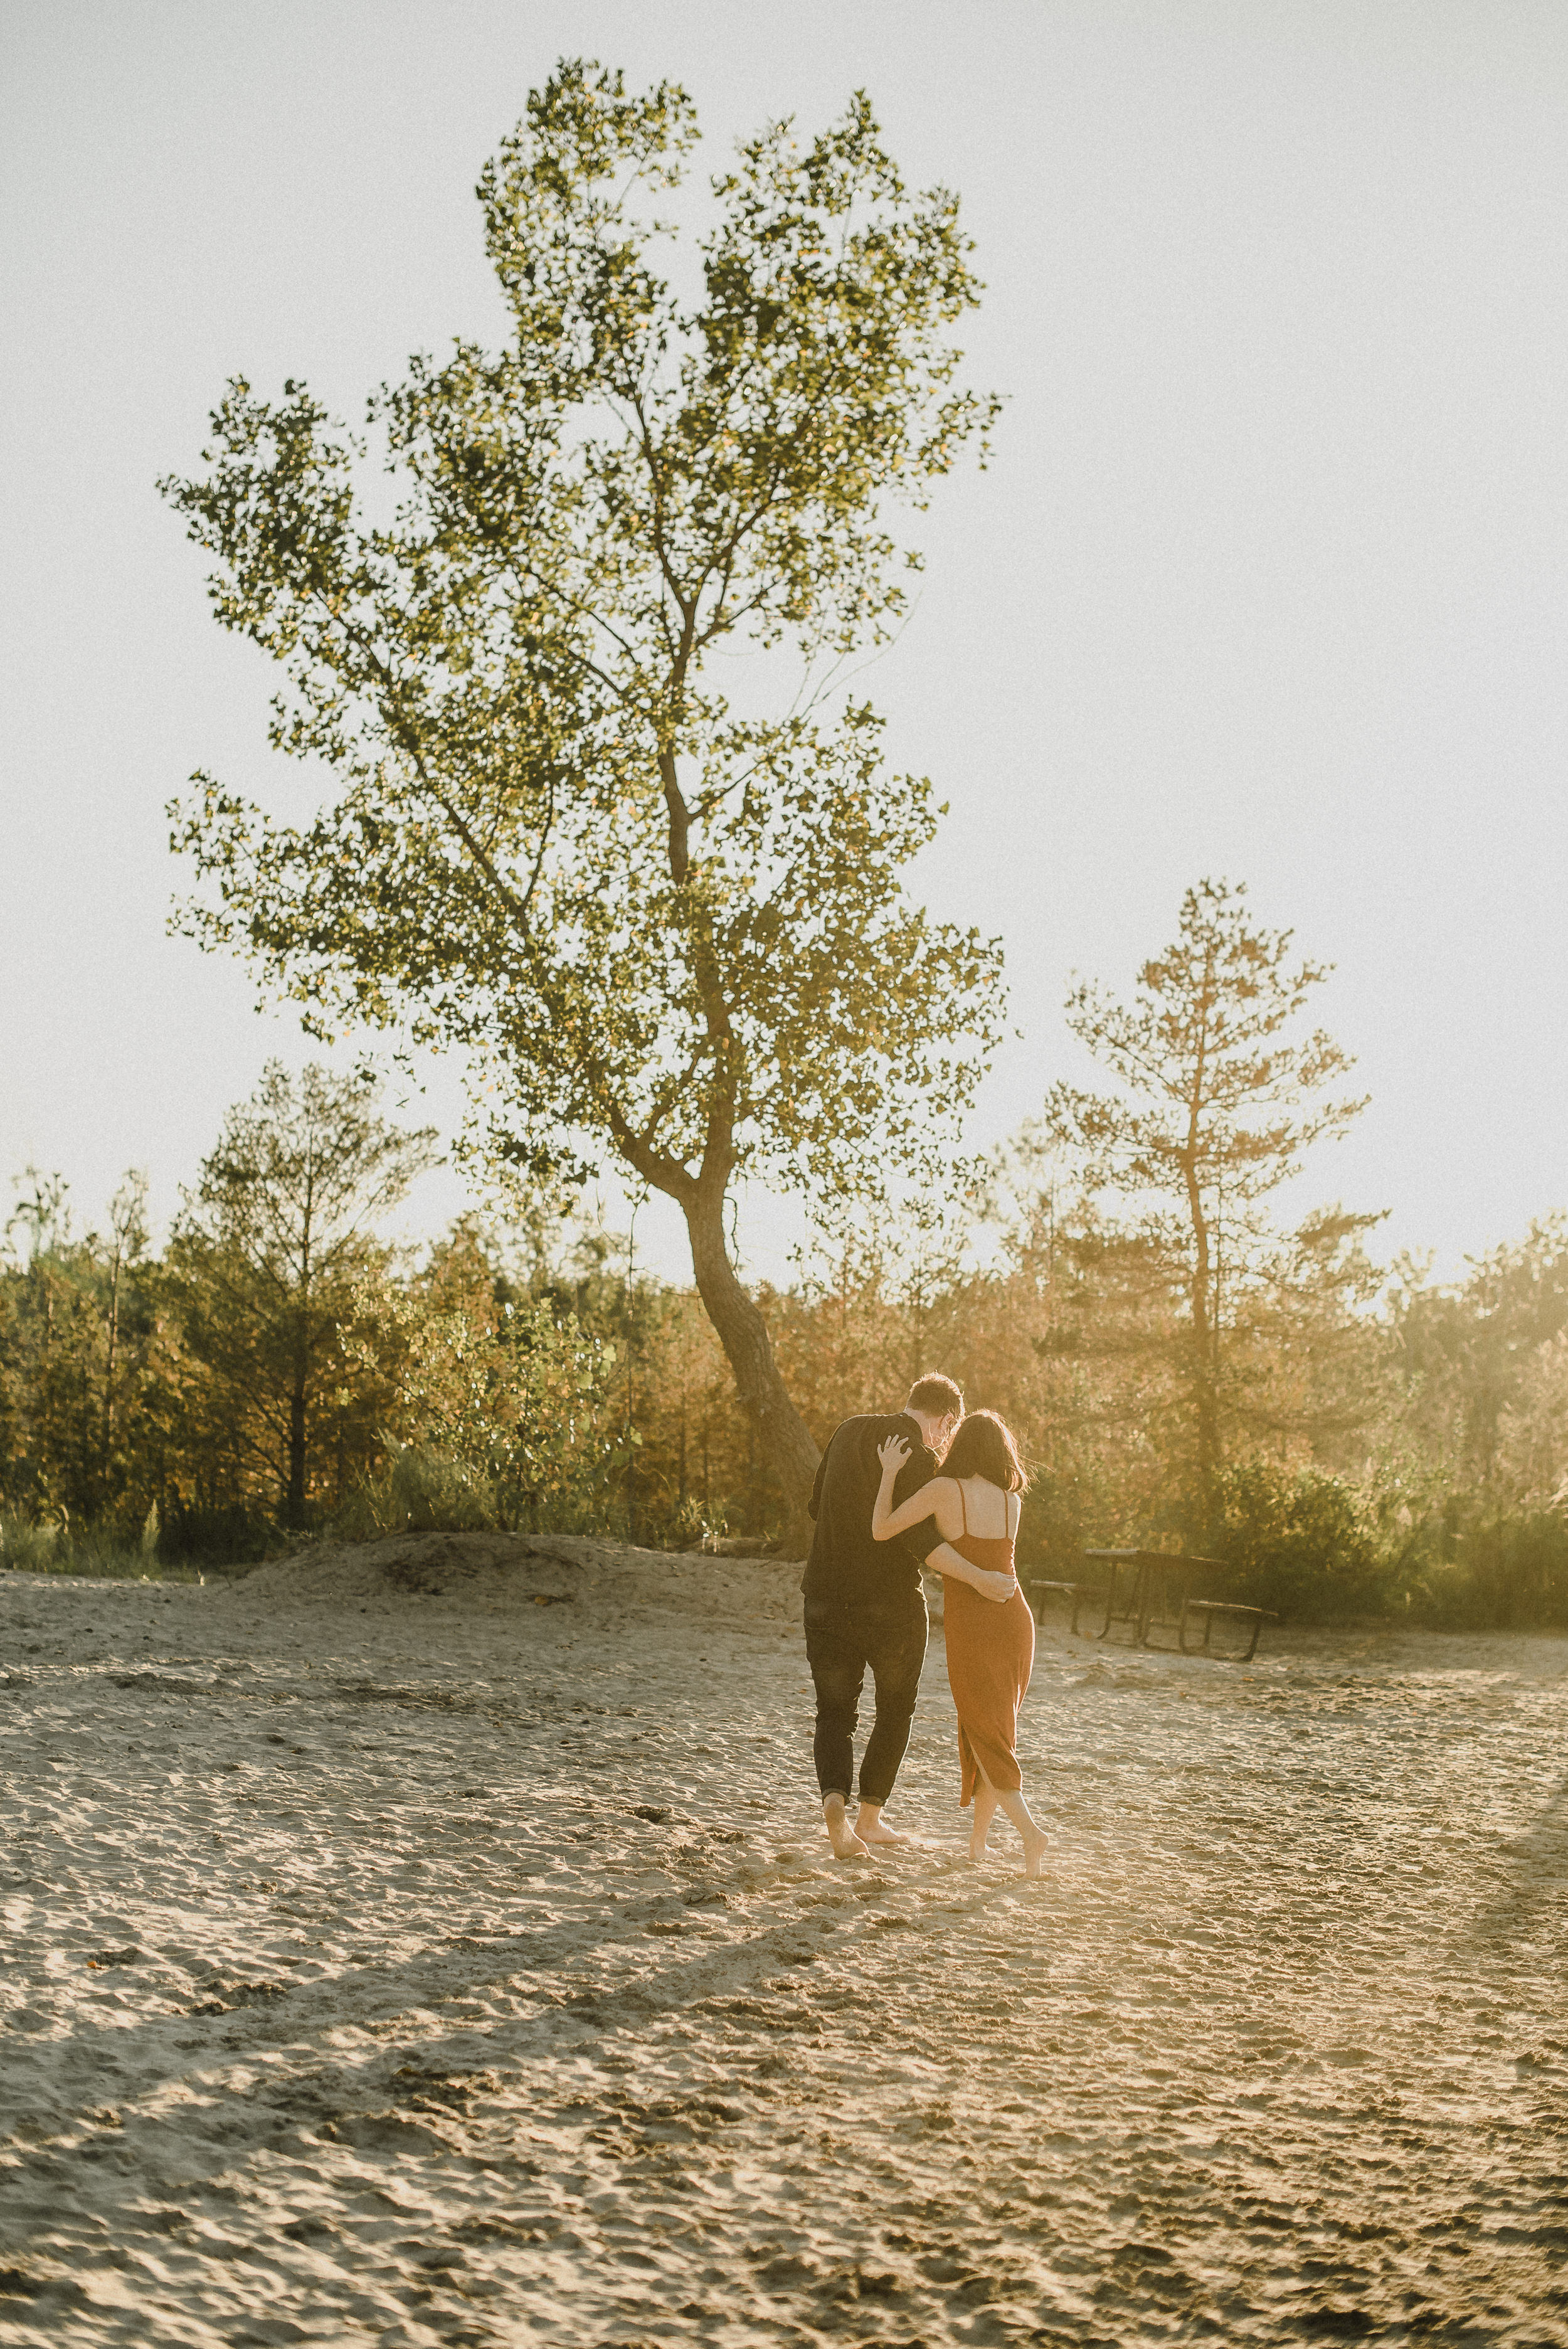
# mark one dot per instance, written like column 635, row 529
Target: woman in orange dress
column 976, row 1502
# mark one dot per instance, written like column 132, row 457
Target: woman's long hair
column 984, row 1446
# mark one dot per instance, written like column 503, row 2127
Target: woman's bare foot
column 980, row 1825
column 846, row 1843
column 1036, row 1843
column 871, row 1828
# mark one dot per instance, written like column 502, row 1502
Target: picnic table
column 1151, row 1590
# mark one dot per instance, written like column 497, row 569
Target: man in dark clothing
column 865, row 1604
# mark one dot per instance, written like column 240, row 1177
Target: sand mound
column 608, row 1582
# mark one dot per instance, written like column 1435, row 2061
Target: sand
column 393, row 1956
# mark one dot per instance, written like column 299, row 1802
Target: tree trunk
column 1205, row 1394
column 1205, row 1365
column 293, row 1502
column 110, row 1367
column 1206, row 1411
column 302, row 1354
column 743, row 1333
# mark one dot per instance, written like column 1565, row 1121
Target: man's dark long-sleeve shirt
column 846, row 1567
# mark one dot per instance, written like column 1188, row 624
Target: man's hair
column 984, row 1446
column 935, row 1396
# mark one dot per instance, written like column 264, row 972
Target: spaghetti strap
column 962, row 1504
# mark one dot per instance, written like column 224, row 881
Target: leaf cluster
column 1216, row 1097
column 551, row 842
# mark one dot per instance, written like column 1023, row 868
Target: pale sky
column 1269, row 577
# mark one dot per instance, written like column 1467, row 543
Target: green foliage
column 29, row 1547
column 224, row 1535
column 1212, row 1086
column 278, row 1278
column 98, row 1552
column 668, row 929
column 1506, row 1571
column 1216, row 1098
column 1484, row 1366
column 1298, row 1543
column 419, row 1492
column 505, row 1410
column 83, row 1360
column 531, row 1381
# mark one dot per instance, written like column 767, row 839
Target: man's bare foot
column 1035, row 1851
column 871, row 1828
column 846, row 1843
column 978, row 1851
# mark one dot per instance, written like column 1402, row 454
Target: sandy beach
column 435, row 1944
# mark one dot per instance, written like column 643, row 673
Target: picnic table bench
column 1208, row 1608
column 1077, row 1592
column 1149, row 1588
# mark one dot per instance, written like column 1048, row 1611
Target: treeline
column 1390, row 1447
column 280, row 1370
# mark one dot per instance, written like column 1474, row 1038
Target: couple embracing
column 926, row 1485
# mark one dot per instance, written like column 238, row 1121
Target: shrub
column 1507, row 1572
column 236, row 1536
column 420, row 1491
column 1296, row 1541
column 29, row 1548
column 105, row 1552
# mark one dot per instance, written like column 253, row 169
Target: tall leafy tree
column 1217, row 1093
column 673, row 930
column 79, row 1357
column 49, row 1336
column 1470, row 1354
column 125, row 1248
column 268, row 1269
column 499, row 1398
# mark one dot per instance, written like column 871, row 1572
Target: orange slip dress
column 990, row 1655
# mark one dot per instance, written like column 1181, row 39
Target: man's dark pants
column 841, row 1643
